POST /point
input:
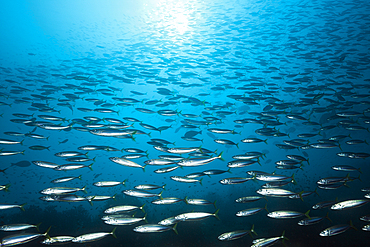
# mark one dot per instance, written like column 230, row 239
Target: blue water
column 309, row 58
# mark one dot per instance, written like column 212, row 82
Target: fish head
column 224, row 236
column 325, row 233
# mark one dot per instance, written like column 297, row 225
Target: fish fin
column 252, row 230
column 220, row 156
column 37, row 226
column 7, row 187
column 351, row 225
column 174, row 229
column 216, row 214
column 300, row 195
column 327, row 216
column 142, row 208
column 307, row 214
column 293, row 180
column 90, row 201
column 113, row 232
column 316, row 191
column 22, row 206
column 160, row 195
column 47, row 232
column 84, row 189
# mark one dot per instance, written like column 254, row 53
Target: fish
column 122, row 221
column 186, row 180
column 126, row 162
column 250, row 211
column 109, row 183
column 262, row 242
column 91, row 237
column 123, row 208
column 227, row 236
column 71, row 166
column 198, row 162
column 335, row 230
column 65, row 179
column 22, row 238
column 9, row 206
column 348, row 204
column 18, row 227
column 141, row 193
column 284, row 214
column 57, row 240
column 195, row 216
column 61, row 190
column 23, row 163
column 154, row 228
column 313, row 220
column 200, row 202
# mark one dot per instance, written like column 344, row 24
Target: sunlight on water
column 172, row 18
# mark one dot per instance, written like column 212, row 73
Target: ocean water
column 73, row 72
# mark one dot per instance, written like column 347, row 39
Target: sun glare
column 171, row 17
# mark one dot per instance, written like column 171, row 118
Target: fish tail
column 293, row 180
column 252, row 230
column 114, row 197
column 90, row 166
column 327, row 216
column 113, row 232
column 145, row 218
column 47, row 232
column 307, row 214
column 283, row 237
column 300, row 195
column 174, row 229
column 7, row 187
column 216, row 214
column 220, row 156
column 37, row 226
column 84, row 189
column 351, row 225
column 90, row 201
column 142, row 208
column 316, row 191
column 22, row 206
